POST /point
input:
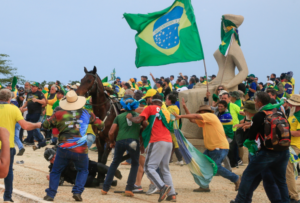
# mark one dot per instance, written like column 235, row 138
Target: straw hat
column 72, row 101
column 294, row 100
column 74, row 87
column 205, row 108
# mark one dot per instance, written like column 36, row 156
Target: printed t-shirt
column 295, row 126
column 126, row 131
column 159, row 131
column 34, row 107
column 226, row 120
column 72, row 127
column 9, row 116
column 213, row 133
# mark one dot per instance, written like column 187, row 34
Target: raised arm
column 152, row 77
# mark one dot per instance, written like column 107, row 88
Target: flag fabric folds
column 105, row 79
column 113, row 75
column 167, row 36
column 201, row 166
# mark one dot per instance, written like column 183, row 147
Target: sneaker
column 179, row 163
column 28, row 143
column 128, row 193
column 171, row 198
column 77, row 197
column 237, row 184
column 163, row 193
column 125, row 163
column 152, row 189
column 35, row 147
column 9, row 200
column 200, row 189
column 21, row 152
column 137, row 189
column 103, row 192
column 48, row 198
column 240, row 162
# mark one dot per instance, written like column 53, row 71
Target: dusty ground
column 31, row 178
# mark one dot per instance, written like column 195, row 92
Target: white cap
column 78, row 84
column 222, row 92
column 182, row 89
column 270, row 81
column 46, row 86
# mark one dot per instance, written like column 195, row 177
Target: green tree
column 73, row 82
column 7, row 72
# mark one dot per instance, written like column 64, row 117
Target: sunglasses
column 220, row 89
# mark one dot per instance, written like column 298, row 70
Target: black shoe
column 294, row 201
column 77, row 197
column 48, row 198
column 164, row 192
column 8, row 200
column 21, row 152
column 114, row 183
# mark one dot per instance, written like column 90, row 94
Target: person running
column 214, row 140
column 72, row 122
column 127, row 140
column 159, row 138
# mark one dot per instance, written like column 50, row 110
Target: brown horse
column 103, row 107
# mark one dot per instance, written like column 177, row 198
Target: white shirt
column 173, row 82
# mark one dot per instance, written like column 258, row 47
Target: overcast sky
column 54, row 40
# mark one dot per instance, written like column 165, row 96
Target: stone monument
column 226, row 76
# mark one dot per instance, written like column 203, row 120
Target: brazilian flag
column 167, row 36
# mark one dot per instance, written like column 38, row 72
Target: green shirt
column 126, row 131
column 234, row 110
column 240, row 104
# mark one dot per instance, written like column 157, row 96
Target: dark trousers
column 269, row 183
column 36, row 134
column 120, row 148
column 8, row 181
column 81, row 162
column 276, row 162
column 233, row 153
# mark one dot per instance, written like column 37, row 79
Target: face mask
column 272, row 79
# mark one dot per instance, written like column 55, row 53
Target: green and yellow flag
column 167, row 36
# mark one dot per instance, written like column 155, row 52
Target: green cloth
column 44, row 91
column 272, row 106
column 215, row 97
column 167, row 36
column 239, row 103
column 226, row 36
column 14, row 84
column 105, row 79
column 297, row 115
column 56, row 104
column 251, row 145
column 126, row 131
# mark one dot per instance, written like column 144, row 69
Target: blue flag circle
column 165, row 30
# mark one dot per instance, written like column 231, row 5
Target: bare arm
column 189, row 116
column 137, row 119
column 111, row 133
column 5, row 152
column 186, row 110
column 295, row 133
column 152, row 77
column 29, row 126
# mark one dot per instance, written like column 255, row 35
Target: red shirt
column 159, row 131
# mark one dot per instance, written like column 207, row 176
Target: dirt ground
column 30, row 177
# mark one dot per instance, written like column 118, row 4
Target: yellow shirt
column 295, row 126
column 213, row 132
column 293, row 83
column 49, row 110
column 9, row 116
column 121, row 92
column 159, row 89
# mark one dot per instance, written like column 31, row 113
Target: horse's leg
column 105, row 154
column 100, row 146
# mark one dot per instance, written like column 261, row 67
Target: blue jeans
column 17, row 136
column 36, row 133
column 81, row 162
column 269, row 186
column 218, row 156
column 120, row 148
column 8, row 181
column 263, row 160
column 90, row 140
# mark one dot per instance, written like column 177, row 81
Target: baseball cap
column 61, row 92
column 251, row 76
column 150, row 93
column 159, row 82
column 36, row 84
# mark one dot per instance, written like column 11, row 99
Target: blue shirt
column 252, row 86
column 191, row 86
column 177, row 104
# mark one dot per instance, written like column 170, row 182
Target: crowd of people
column 264, row 117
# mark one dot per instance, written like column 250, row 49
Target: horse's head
column 88, row 84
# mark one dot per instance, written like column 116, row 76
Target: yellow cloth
column 174, row 109
column 293, row 83
column 90, row 130
column 213, row 132
column 295, row 126
column 49, row 110
column 205, row 82
column 9, row 116
column 170, row 85
column 121, row 92
column 159, row 89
